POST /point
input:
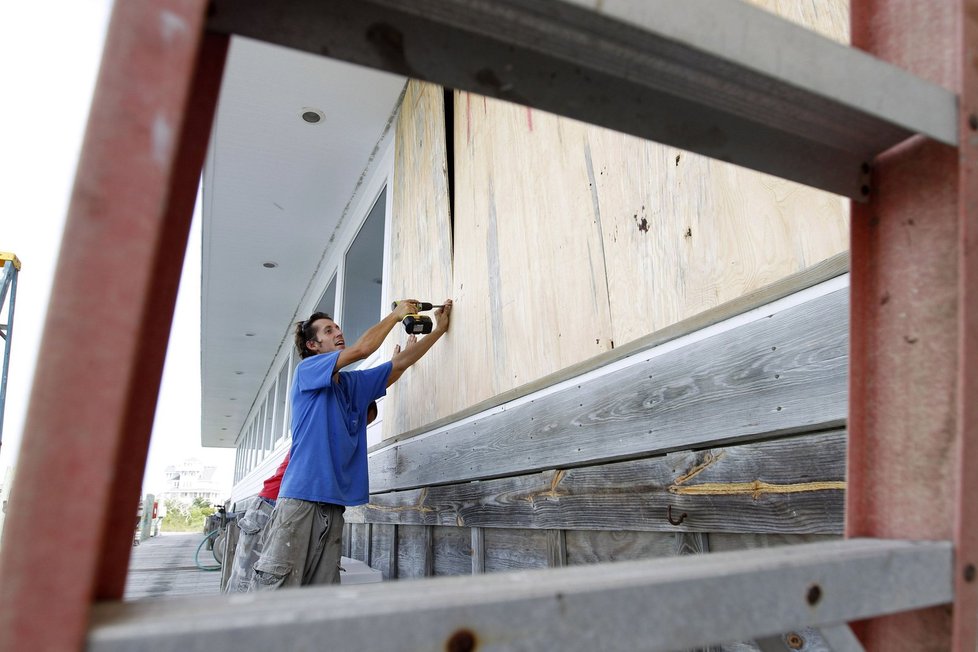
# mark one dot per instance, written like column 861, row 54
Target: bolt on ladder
column 719, row 78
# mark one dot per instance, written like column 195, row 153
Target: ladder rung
column 661, row 604
column 717, row 77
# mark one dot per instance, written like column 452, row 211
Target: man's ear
column 312, row 345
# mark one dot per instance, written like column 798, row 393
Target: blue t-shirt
column 329, row 431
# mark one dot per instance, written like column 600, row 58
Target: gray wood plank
column 721, row 79
column 791, row 484
column 692, row 543
column 508, row 549
column 728, row 542
column 428, row 551
column 164, row 567
column 591, row 547
column 452, row 551
column 391, row 572
column 556, row 548
column 358, row 544
column 412, row 550
column 383, row 548
column 478, row 550
column 780, row 374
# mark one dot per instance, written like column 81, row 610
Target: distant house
column 189, row 480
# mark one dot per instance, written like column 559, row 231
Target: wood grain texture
column 816, row 274
column 452, row 551
column 591, row 547
column 420, row 264
column 783, row 373
column 478, row 550
column 383, row 549
column 691, row 233
column 556, row 548
column 830, row 19
column 412, row 551
column 358, row 541
column 515, row 549
column 528, row 263
column 785, row 485
column 722, row 541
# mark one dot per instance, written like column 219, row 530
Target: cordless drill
column 416, row 324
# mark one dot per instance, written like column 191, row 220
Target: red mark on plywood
column 529, row 118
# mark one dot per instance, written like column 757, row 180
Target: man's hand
column 414, row 349
column 406, row 307
column 443, row 317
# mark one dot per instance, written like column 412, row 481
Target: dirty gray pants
column 302, row 545
column 251, row 527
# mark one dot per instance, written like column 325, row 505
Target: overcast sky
column 49, row 58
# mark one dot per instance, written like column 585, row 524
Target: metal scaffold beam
column 8, row 300
column 657, row 604
column 717, row 77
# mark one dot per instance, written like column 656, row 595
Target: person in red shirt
column 252, row 525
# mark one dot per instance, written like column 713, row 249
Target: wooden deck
column 164, row 567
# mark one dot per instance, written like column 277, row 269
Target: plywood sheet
column 683, row 233
column 529, row 266
column 570, row 239
column 420, row 264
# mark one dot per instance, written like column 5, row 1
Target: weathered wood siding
column 682, row 483
column 782, row 373
column 570, row 240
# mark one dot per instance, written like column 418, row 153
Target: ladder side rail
column 658, row 604
column 912, row 320
column 10, row 274
column 94, row 394
column 964, row 629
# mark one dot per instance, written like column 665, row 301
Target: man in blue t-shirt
column 328, row 460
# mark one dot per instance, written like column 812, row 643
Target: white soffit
column 274, row 190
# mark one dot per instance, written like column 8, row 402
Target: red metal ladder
column 914, row 338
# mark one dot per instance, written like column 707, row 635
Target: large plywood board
column 420, row 251
column 529, row 266
column 570, row 240
column 683, row 233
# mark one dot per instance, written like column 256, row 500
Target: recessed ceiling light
column 238, row 373
column 249, row 334
column 312, row 116
column 227, row 416
column 271, row 264
column 233, row 399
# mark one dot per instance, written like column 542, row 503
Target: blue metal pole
column 9, row 281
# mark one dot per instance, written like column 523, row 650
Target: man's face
column 328, row 337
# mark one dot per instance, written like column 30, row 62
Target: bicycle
column 215, row 540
